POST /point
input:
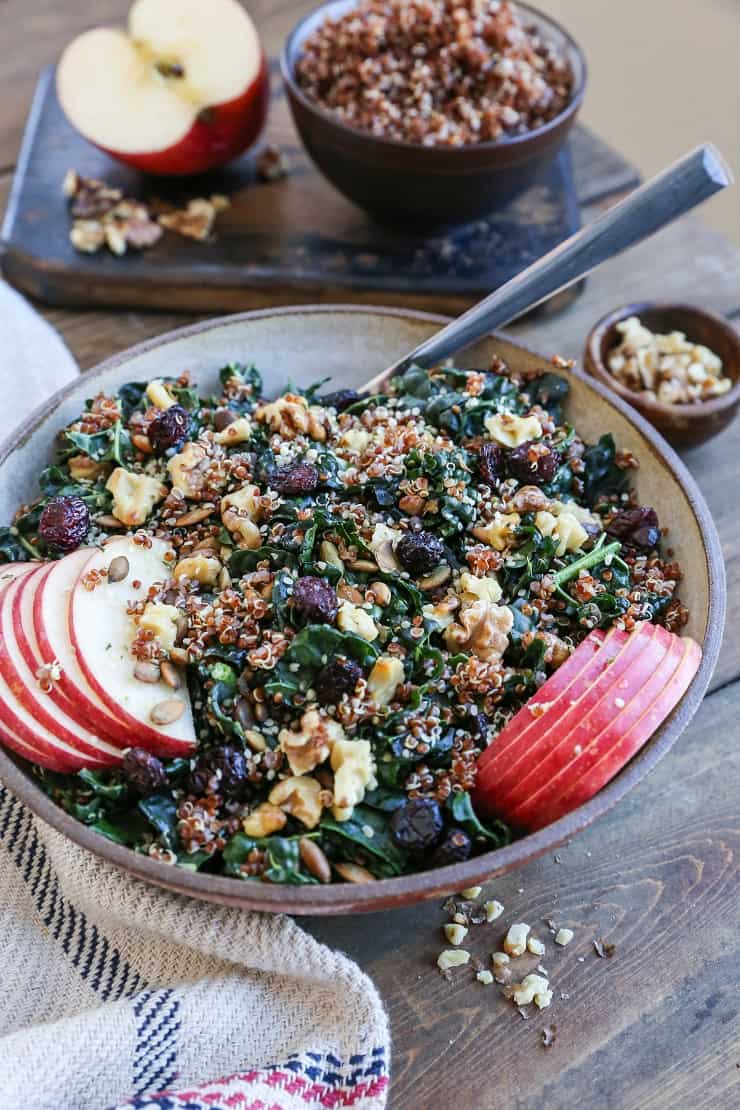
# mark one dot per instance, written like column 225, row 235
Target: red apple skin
column 565, row 677
column 579, row 724
column 525, row 732
column 220, row 134
column 28, row 644
column 34, row 743
column 28, row 694
column 620, row 740
column 74, row 685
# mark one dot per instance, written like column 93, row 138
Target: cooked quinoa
column 435, row 72
column 367, row 588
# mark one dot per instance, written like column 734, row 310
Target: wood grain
column 655, row 1028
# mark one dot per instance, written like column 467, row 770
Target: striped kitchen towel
column 118, row 994
column 114, row 993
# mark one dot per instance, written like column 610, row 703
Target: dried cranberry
column 64, row 523
column 315, row 599
column 417, row 826
column 293, row 480
column 491, row 463
column 455, row 848
column 143, row 771
column 533, row 462
column 341, row 399
column 169, row 429
column 419, row 552
column 638, row 527
column 337, row 678
column 229, row 761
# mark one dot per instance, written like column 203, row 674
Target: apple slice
column 29, row 738
column 574, row 729
column 512, row 747
column 52, row 595
column 29, row 693
column 185, row 89
column 617, row 740
column 584, row 661
column 101, row 632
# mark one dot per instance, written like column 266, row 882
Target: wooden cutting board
column 292, row 240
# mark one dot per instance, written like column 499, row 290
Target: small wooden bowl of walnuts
column 677, row 364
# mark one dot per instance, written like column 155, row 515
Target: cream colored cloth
column 116, row 993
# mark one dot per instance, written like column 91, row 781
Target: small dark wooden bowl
column 682, row 425
column 398, row 181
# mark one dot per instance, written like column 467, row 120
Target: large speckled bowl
column 353, row 344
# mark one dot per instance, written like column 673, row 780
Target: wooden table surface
column 655, row 1026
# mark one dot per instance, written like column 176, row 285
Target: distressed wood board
column 297, row 238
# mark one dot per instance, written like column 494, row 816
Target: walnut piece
column 134, row 495
column 301, row 797
column 314, row 742
column 196, row 220
column 482, row 629
column 264, row 820
column 188, row 468
column 354, row 771
column 199, row 568
column 291, row 416
column 239, row 513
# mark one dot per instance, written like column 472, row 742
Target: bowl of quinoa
column 372, row 526
column 432, row 110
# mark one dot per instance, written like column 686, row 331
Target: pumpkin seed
column 147, row 672
column 437, row 578
column 194, row 516
column 353, row 873
column 119, row 568
column 167, row 712
column 314, row 859
column 170, row 675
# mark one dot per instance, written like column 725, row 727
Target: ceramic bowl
column 398, row 181
column 304, row 344
column 682, row 425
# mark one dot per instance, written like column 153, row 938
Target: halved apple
column 101, row 632
column 184, row 89
column 28, row 691
column 29, row 738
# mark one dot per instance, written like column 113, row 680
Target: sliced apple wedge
column 639, row 656
column 184, row 89
column 28, row 689
column 52, row 596
column 22, row 733
column 581, row 743
column 511, row 750
column 620, row 736
column 101, row 632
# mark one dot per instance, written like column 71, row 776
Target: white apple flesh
column 184, row 89
column 52, row 595
column 29, row 691
column 20, row 731
column 101, row 631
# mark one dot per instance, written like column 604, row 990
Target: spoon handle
column 679, row 188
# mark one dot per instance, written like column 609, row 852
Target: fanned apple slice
column 639, row 657
column 52, row 595
column 584, row 663
column 618, row 737
column 28, row 689
column 541, row 716
column 29, row 738
column 102, row 631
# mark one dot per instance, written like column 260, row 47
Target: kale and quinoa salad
column 366, row 589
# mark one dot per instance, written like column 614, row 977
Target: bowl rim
column 341, row 898
column 690, row 413
column 509, row 142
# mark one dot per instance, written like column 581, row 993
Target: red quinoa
column 435, row 72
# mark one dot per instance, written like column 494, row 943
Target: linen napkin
column 117, row 994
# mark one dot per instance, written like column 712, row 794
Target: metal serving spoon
column 678, row 189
